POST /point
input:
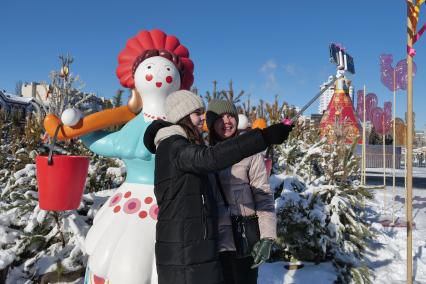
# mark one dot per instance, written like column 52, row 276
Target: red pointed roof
column 340, row 116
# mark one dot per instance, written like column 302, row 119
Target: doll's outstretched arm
column 90, row 123
column 96, row 121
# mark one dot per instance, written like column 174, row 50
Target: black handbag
column 245, row 229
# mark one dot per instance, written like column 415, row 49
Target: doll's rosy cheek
column 148, row 77
column 169, row 79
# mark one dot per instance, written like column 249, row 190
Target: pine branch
column 56, row 217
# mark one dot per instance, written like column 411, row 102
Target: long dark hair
column 213, row 138
column 190, row 130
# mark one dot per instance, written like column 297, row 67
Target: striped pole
column 364, row 162
column 384, row 165
column 393, row 148
column 411, row 28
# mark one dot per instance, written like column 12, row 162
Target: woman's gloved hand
column 261, row 251
column 276, row 133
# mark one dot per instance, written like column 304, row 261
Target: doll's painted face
column 157, row 75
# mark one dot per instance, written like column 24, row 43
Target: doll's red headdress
column 145, row 41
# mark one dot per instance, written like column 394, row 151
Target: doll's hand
column 71, row 117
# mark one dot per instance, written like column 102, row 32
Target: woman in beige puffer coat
column 246, row 190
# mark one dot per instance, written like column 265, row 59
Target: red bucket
column 268, row 165
column 61, row 184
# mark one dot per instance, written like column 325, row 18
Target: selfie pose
column 187, row 236
column 247, row 221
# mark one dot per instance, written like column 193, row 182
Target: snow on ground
column 388, row 257
column 274, row 273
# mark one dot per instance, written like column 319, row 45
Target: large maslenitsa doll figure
column 120, row 244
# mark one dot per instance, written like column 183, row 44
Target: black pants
column 237, row 270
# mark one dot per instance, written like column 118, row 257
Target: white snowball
column 71, row 116
column 242, row 122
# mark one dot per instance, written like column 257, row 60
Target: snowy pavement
column 389, row 260
column 275, row 273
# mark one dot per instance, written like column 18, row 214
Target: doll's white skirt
column 121, row 241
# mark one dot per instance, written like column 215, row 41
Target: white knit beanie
column 181, row 103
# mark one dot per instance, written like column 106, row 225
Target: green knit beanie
column 218, row 107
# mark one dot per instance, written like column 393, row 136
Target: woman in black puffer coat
column 186, row 238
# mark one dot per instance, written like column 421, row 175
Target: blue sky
column 265, row 47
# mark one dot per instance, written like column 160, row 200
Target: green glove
column 261, row 252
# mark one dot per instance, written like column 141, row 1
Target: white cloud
column 269, row 65
column 269, row 69
column 290, row 69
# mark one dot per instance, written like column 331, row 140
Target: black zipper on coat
column 203, row 217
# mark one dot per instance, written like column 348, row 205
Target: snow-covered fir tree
column 39, row 246
column 320, row 203
column 44, row 246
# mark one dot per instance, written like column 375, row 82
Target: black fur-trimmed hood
column 158, row 131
